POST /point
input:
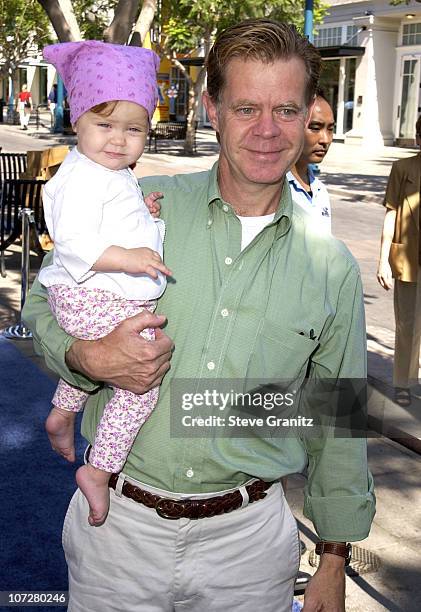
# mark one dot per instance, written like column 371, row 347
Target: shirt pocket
column 279, row 354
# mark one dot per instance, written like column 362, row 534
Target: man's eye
column 135, row 130
column 104, row 125
column 245, row 110
column 287, row 113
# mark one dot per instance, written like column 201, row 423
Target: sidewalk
column 356, row 180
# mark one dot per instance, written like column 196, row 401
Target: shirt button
column 228, row 261
column 225, row 208
column 224, row 312
column 210, row 222
column 189, row 473
column 211, row 365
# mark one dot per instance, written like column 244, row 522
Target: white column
column 341, row 100
column 374, row 80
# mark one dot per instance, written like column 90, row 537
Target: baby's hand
column 151, row 201
column 145, row 261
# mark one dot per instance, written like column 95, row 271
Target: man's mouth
column 265, row 154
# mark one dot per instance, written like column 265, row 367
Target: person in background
column 400, row 259
column 52, row 102
column 308, row 192
column 24, row 106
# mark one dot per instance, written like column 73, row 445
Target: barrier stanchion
column 19, row 331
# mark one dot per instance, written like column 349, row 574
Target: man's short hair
column 319, row 93
column 264, row 40
column 418, row 126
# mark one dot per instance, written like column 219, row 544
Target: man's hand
column 384, row 275
column 326, row 590
column 123, row 358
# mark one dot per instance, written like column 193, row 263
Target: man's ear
column 211, row 110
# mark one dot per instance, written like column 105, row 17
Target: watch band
column 342, row 549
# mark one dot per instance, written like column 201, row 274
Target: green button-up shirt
column 237, row 315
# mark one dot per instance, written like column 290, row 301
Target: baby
column 108, row 251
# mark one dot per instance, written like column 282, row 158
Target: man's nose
column 325, row 137
column 267, row 126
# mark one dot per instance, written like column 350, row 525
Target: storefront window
column 351, row 35
column 329, row 80
column 43, row 85
column 328, row 37
column 178, row 104
column 22, row 77
column 349, row 89
column 411, row 34
column 408, row 99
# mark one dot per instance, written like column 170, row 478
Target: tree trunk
column 195, row 91
column 144, row 22
column 124, row 16
column 63, row 20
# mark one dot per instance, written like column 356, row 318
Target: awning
column 192, row 61
column 325, row 52
column 342, row 51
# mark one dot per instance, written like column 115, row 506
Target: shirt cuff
column 55, row 358
column 341, row 519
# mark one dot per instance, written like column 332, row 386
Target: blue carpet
column 36, row 483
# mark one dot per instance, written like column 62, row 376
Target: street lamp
column 308, row 20
column 11, row 103
column 58, row 111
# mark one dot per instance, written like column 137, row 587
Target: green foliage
column 93, row 16
column 186, row 22
column 24, row 30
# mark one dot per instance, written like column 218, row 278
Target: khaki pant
column 407, row 302
column 243, row 561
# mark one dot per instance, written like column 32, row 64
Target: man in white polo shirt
column 307, row 191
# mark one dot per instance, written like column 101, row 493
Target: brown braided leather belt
column 192, row 508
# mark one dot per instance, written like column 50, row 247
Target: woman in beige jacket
column 400, row 259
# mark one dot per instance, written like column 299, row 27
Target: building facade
column 371, row 70
column 37, row 74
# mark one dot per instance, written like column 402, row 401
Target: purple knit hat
column 94, row 72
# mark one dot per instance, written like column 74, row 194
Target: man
column 400, row 259
column 24, row 106
column 52, row 102
column 245, row 304
column 307, row 191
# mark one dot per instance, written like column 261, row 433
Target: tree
column 115, row 21
column 24, row 29
column 189, row 25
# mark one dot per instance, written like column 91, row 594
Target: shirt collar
column 283, row 215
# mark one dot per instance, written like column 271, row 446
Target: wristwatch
column 342, row 549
